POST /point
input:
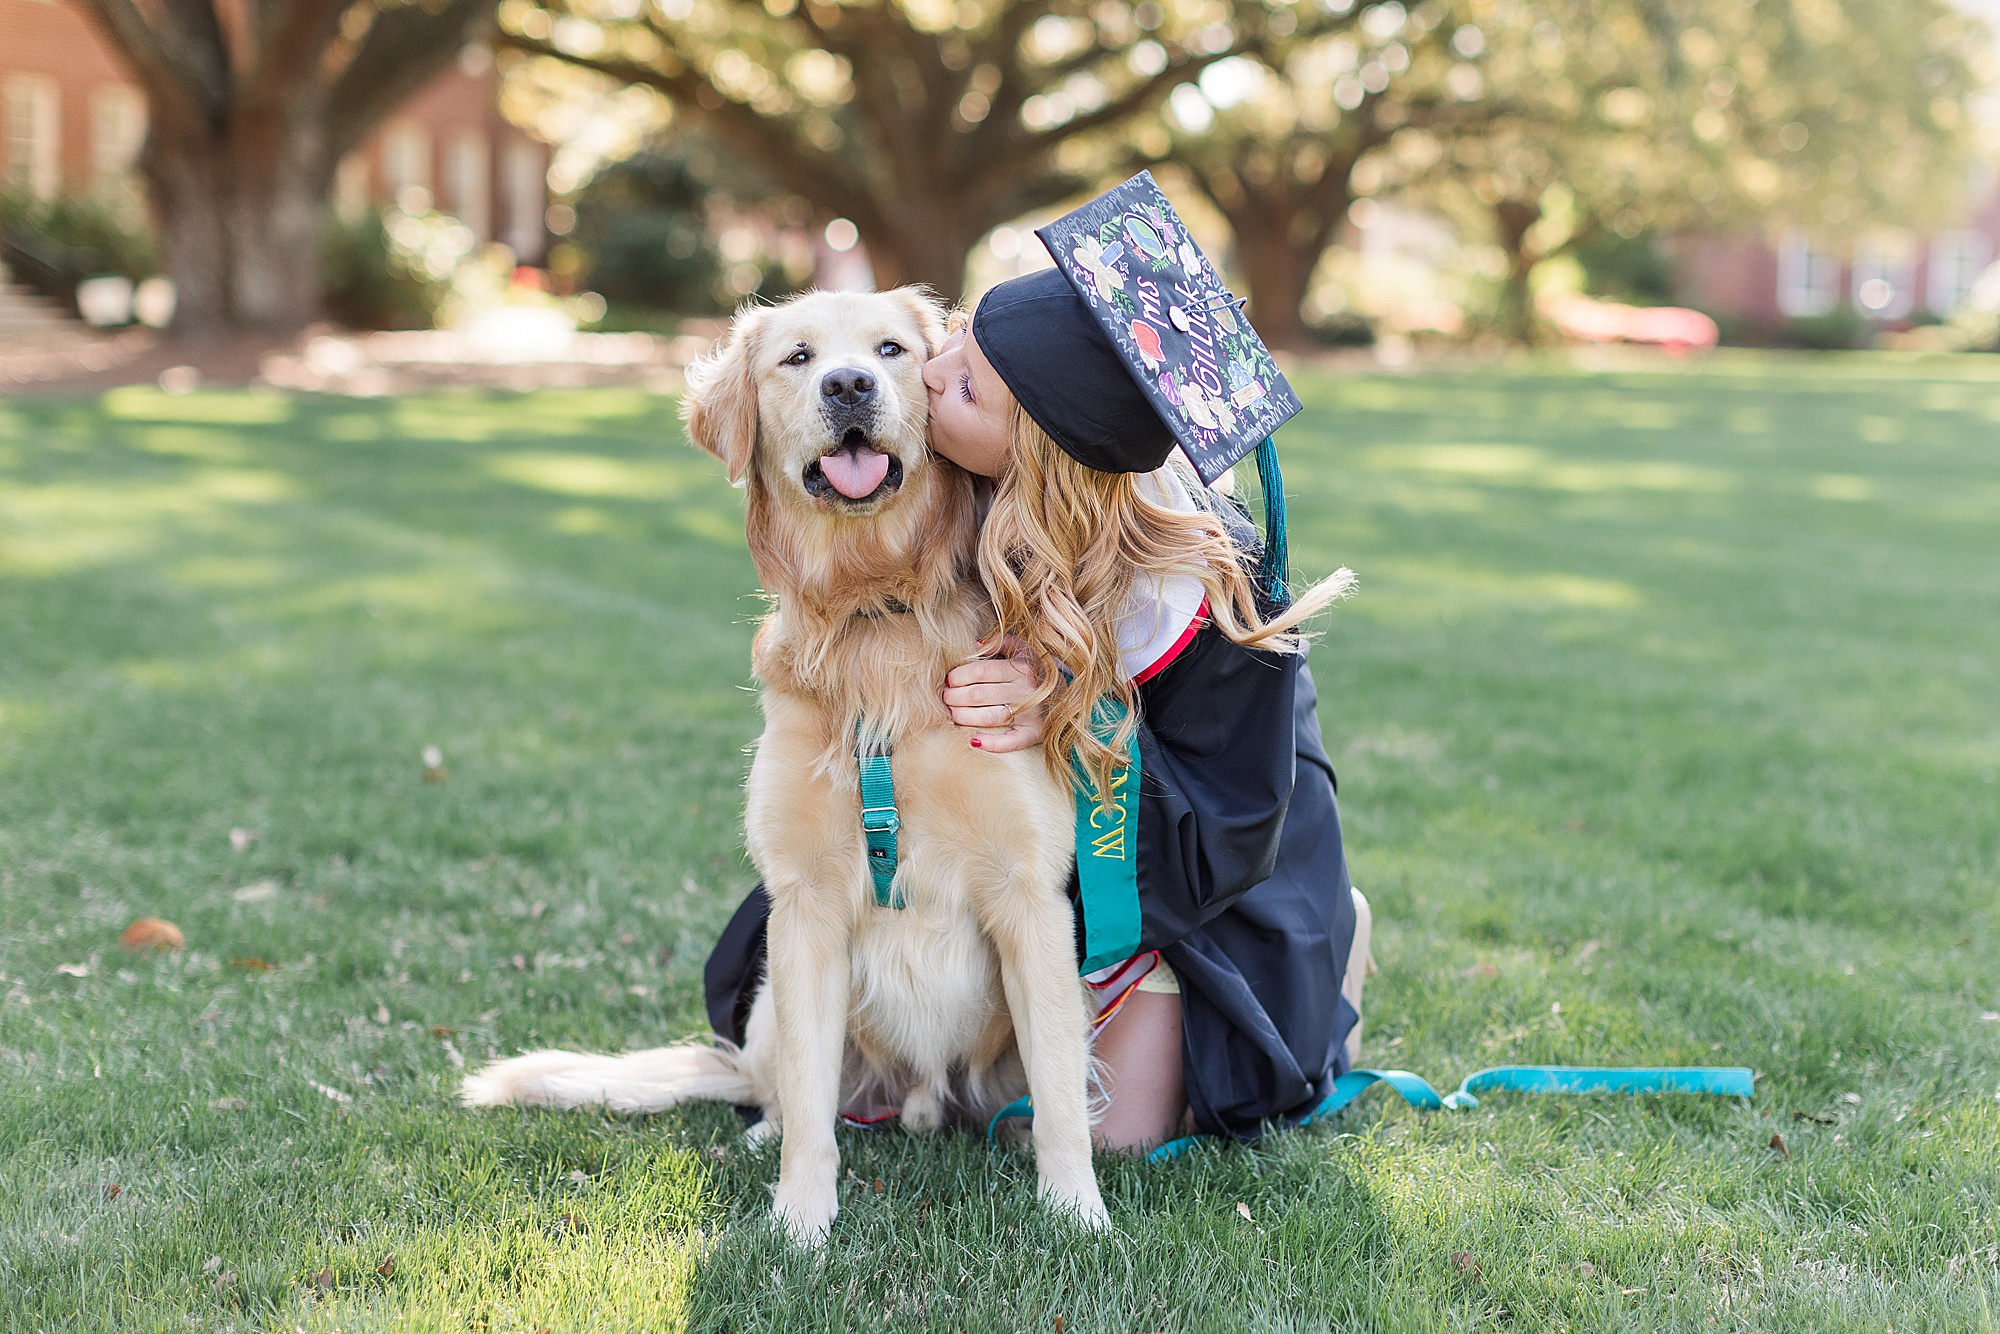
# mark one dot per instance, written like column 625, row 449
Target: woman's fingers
column 981, row 671
column 986, row 695
column 976, row 696
column 1014, row 738
column 994, row 716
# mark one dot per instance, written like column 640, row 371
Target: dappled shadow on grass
column 955, row 1239
column 1653, row 748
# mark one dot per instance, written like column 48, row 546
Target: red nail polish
column 975, row 741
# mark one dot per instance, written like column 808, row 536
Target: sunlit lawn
column 1668, row 724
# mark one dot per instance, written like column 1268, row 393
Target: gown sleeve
column 1217, row 761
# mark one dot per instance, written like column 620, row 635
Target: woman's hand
column 986, row 695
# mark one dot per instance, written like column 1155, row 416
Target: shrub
column 371, row 279
column 642, row 235
column 52, row 245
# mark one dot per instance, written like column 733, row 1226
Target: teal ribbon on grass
column 1716, row 1081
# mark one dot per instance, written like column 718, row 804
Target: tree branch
column 818, row 176
column 404, row 50
column 186, row 80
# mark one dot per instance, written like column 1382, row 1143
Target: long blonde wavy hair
column 1059, row 552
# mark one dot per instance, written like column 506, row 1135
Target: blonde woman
column 1136, row 641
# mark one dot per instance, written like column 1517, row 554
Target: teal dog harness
column 1107, row 843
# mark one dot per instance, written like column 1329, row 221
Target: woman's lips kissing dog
column 854, row 468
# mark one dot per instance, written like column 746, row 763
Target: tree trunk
column 1277, row 262
column 926, row 245
column 240, row 214
column 1513, row 219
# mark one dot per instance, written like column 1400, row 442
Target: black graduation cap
column 1132, row 345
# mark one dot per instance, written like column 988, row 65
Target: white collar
column 1158, row 611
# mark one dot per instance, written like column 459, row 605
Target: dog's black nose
column 849, row 386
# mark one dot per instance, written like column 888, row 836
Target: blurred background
column 1400, row 177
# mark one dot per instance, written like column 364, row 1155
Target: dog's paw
column 1083, row 1203
column 806, row 1221
column 923, row 1112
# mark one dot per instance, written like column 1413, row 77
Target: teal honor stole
column 1107, row 853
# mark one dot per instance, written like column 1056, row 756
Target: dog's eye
column 890, row 348
column 799, row 358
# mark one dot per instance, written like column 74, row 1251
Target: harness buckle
column 880, row 819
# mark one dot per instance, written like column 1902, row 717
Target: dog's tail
column 639, row 1081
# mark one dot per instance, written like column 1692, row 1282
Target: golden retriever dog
column 956, row 1003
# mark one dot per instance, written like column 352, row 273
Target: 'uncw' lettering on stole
column 1110, row 842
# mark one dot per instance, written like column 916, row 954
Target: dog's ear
column 720, row 406
column 925, row 310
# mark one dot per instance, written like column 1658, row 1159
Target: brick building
column 1888, row 276
column 72, row 122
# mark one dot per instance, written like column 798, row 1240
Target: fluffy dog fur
column 958, row 1003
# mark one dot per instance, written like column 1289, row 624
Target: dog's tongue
column 855, row 472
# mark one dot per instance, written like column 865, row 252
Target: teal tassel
column 1274, row 572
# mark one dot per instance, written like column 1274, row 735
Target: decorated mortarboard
column 1178, row 330
column 1132, row 345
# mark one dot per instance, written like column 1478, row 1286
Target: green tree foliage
column 1273, row 140
column 925, row 122
column 1634, row 115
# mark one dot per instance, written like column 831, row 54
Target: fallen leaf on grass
column 1481, row 970
column 879, row 1187
column 211, row 1265
column 253, row 964
column 323, row 1280
column 1850, row 1097
column 440, row 1031
column 387, row 1269
column 73, row 969
column 112, row 1190
column 332, row 1093
column 257, row 891
column 1778, row 1147
column 1244, row 1209
column 1587, row 1270
column 1465, row 1262
column 229, row 1104
column 1816, row 1120
column 152, row 933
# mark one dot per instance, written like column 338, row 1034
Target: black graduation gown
column 1243, row 886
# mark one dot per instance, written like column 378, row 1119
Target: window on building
column 1957, row 260
column 352, row 180
column 524, row 184
column 1808, row 277
column 1885, row 276
column 406, row 165
column 33, row 114
column 467, row 193
column 117, row 132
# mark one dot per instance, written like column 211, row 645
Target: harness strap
column 879, row 821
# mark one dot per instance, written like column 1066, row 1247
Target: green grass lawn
column 1668, row 725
